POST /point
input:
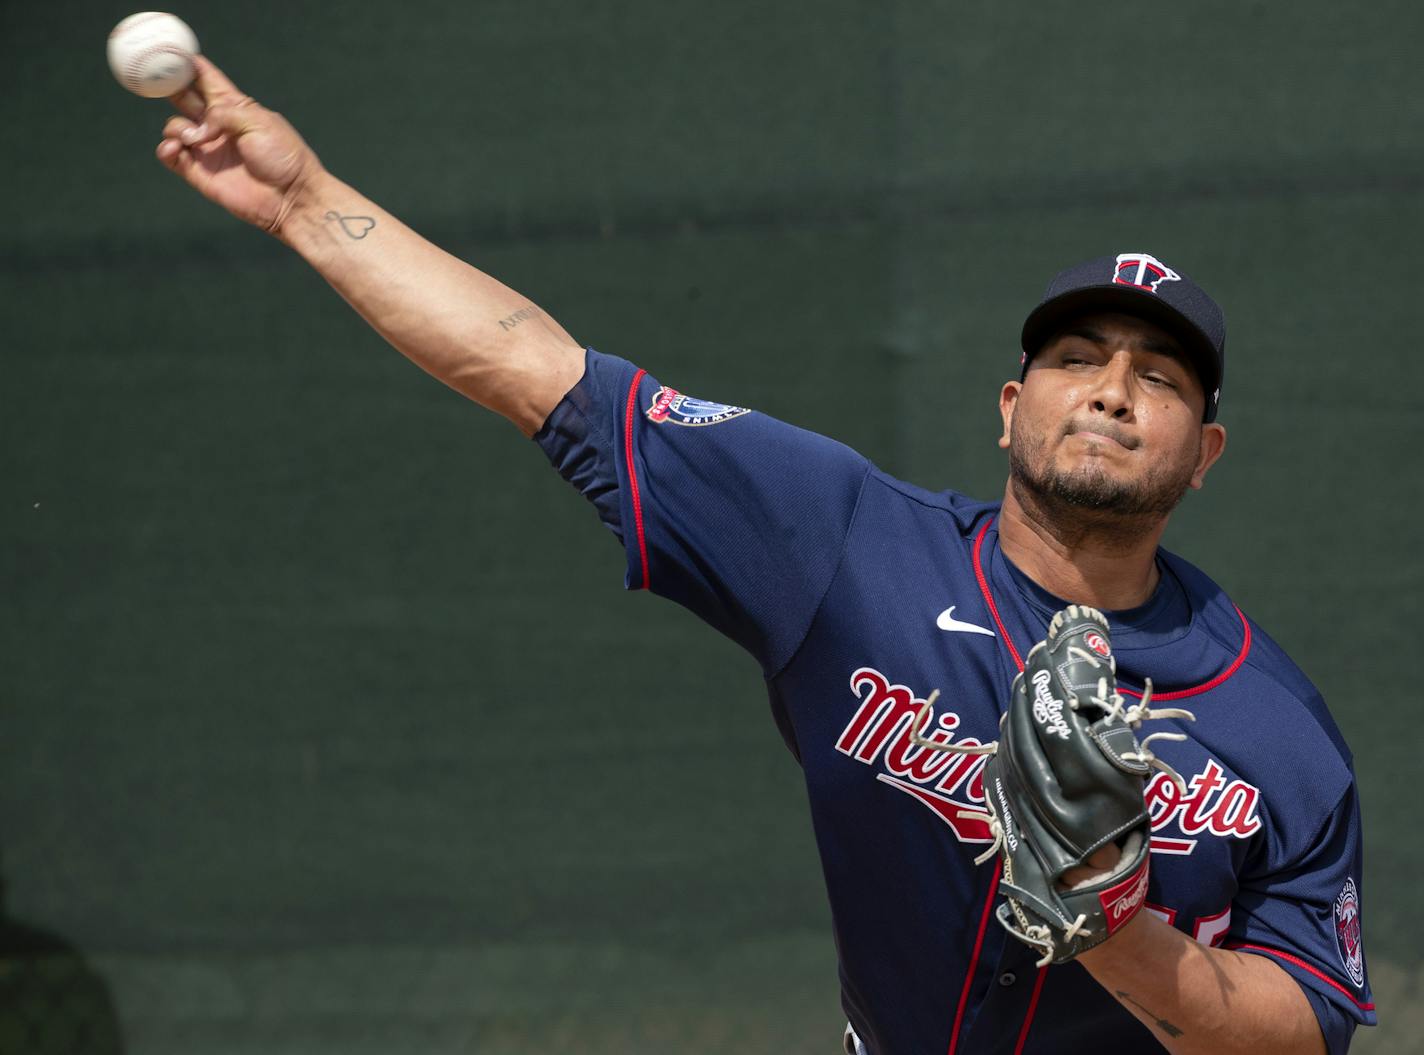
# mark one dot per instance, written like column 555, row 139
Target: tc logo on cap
column 1143, row 271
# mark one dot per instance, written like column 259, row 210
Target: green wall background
column 325, row 726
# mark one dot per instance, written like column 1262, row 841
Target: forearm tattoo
column 519, row 316
column 1162, row 1024
column 356, row 227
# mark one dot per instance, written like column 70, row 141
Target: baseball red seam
column 132, row 77
column 137, row 20
column 628, row 415
column 974, row 957
column 1032, row 1007
column 989, row 597
column 1239, row 945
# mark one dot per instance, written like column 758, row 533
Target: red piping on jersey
column 1214, row 682
column 633, row 474
column 1032, row 1007
column 989, row 597
column 974, row 957
column 1238, row 945
column 1176, row 694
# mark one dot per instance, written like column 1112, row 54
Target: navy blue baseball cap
column 1140, row 285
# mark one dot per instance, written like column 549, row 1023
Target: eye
column 1158, row 379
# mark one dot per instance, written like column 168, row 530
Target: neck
column 1083, row 557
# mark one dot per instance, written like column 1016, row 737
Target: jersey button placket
column 1008, row 978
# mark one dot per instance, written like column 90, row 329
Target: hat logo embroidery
column 1143, row 271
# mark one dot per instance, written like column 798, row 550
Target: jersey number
column 1209, row 930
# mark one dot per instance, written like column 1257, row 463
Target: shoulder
column 1278, row 714
column 966, row 515
column 1270, row 658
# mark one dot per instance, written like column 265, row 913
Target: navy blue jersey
column 859, row 595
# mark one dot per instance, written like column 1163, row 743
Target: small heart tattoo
column 356, row 227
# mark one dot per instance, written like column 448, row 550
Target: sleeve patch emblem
column 670, row 405
column 1348, row 934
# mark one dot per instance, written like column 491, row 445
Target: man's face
column 1108, row 420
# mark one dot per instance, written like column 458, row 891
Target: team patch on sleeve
column 670, row 405
column 1348, row 933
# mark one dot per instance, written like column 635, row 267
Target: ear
column 1008, row 397
column 1213, row 443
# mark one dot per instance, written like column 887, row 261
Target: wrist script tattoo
column 356, row 227
column 1162, row 1024
column 519, row 316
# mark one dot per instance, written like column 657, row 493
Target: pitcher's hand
column 235, row 152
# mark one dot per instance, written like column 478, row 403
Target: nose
column 1113, row 389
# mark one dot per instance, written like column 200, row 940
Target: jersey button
column 1008, row 978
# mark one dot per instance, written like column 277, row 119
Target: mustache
column 1104, row 428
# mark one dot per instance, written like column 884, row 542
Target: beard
column 1089, row 497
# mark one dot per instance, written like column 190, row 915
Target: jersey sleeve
column 737, row 516
column 1302, row 910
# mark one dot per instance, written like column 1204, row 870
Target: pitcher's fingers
column 168, row 152
column 236, row 118
column 188, row 103
column 187, row 166
column 192, row 134
column 171, row 153
column 174, row 127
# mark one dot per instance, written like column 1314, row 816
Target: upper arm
column 1299, row 907
column 737, row 516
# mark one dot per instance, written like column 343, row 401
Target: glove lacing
column 995, row 828
column 1040, row 936
column 1114, row 707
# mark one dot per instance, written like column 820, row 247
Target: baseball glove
column 1064, row 783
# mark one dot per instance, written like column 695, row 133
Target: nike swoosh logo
column 946, row 621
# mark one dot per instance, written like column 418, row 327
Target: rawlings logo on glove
column 1048, row 711
column 1064, row 789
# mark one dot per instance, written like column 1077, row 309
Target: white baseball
column 151, row 54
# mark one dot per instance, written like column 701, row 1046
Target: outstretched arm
column 458, row 324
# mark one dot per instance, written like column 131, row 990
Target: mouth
column 1098, row 433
